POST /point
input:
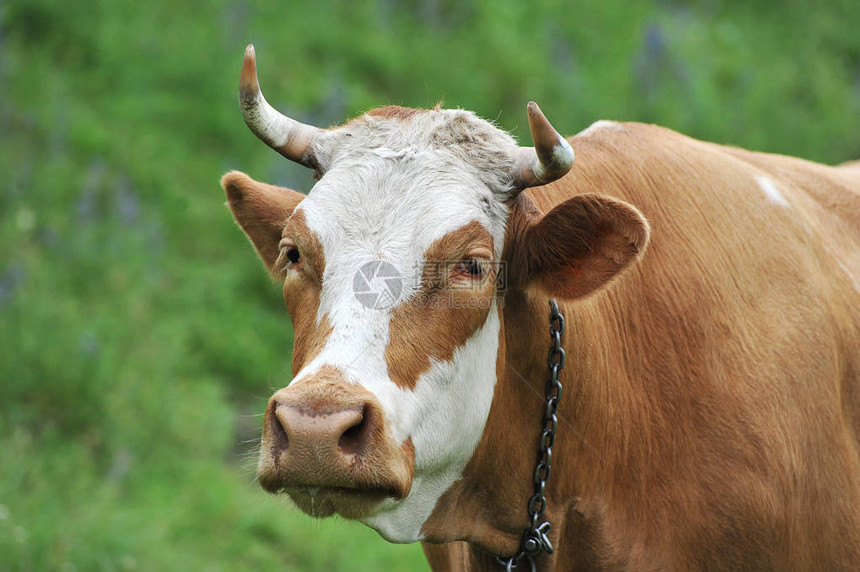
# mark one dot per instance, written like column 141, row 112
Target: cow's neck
column 488, row 506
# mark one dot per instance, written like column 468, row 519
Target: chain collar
column 536, row 537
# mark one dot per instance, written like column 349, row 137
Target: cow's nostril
column 352, row 440
column 277, row 433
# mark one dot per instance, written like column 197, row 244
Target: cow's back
column 722, row 370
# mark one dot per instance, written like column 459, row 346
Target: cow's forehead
column 396, row 206
column 396, row 177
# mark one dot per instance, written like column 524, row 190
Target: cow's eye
column 470, row 266
column 474, row 267
column 293, row 255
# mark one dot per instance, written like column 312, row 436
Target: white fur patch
column 599, row 125
column 771, row 192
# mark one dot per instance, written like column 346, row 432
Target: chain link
column 536, row 537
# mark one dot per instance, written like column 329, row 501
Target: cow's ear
column 262, row 211
column 578, row 247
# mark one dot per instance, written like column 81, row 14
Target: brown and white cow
column 712, row 389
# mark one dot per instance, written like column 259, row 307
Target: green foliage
column 137, row 329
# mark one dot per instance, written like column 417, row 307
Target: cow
column 711, row 409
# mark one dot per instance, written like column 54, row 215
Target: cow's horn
column 551, row 157
column 286, row 136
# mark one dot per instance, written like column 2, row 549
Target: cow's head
column 391, row 268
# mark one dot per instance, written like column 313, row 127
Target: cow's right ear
column 262, row 211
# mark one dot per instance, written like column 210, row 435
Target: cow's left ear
column 578, row 247
column 262, row 211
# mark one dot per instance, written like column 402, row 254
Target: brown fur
column 576, row 248
column 710, row 417
column 296, row 233
column 394, row 112
column 262, row 211
column 302, row 292
column 441, row 318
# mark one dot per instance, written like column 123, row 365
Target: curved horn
column 286, row 136
column 551, row 157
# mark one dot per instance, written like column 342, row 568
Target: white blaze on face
column 391, row 206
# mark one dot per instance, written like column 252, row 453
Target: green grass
column 65, row 510
column 139, row 335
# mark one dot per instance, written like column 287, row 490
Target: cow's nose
column 326, row 444
column 326, row 436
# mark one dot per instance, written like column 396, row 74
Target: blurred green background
column 139, row 335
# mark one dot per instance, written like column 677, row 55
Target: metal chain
column 536, row 537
